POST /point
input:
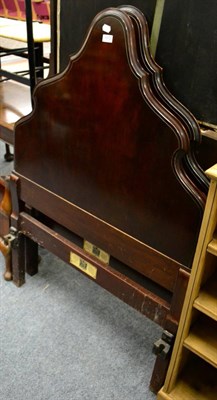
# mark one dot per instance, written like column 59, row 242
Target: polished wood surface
column 104, row 161
column 5, row 211
column 163, row 94
column 202, row 340
column 123, row 247
column 15, row 102
column 118, row 168
column 207, row 299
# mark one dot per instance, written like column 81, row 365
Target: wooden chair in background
column 2, row 9
column 42, row 10
column 22, row 10
column 12, row 8
column 5, row 211
column 16, row 9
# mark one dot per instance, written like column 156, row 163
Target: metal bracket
column 11, row 239
column 162, row 347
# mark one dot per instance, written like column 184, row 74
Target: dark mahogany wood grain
column 153, row 264
column 133, row 294
column 101, row 140
column 105, row 160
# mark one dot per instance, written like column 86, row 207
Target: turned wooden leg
column 5, row 211
column 6, row 251
column 8, row 155
column 8, row 268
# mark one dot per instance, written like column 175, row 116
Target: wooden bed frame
column 107, row 179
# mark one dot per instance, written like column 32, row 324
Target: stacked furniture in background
column 15, row 98
column 108, row 179
column 192, row 372
column 15, row 102
column 17, row 9
column 19, row 22
column 10, row 8
column 42, row 10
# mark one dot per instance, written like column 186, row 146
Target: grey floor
column 62, row 337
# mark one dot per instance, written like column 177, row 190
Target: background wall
column 186, row 49
column 77, row 16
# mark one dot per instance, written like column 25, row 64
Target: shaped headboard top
column 99, row 138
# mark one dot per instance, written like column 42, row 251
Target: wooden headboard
column 107, row 156
column 101, row 141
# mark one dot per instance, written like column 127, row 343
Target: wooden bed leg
column 24, row 257
column 31, row 255
column 162, row 348
column 158, row 374
column 18, row 260
column 168, row 336
column 17, row 239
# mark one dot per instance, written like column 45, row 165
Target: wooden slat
column 124, row 247
column 198, row 382
column 159, row 8
column 186, row 391
column 209, row 133
column 206, row 302
column 116, row 283
column 212, row 172
column 212, row 247
column 202, row 340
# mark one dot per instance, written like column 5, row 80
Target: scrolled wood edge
column 183, row 142
column 157, row 71
column 156, row 75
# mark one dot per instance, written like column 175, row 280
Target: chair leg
column 6, row 252
column 8, row 155
column 5, row 212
